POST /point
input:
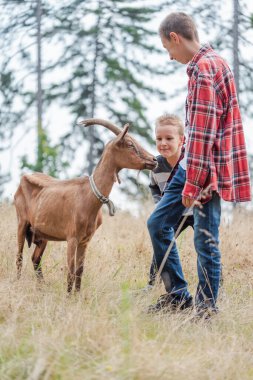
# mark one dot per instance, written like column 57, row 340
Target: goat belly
column 53, row 213
column 39, row 235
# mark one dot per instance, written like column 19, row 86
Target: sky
column 60, row 119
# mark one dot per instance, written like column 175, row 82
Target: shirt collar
column 202, row 51
column 165, row 162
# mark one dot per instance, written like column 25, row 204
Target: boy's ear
column 174, row 37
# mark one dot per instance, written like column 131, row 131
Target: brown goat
column 70, row 210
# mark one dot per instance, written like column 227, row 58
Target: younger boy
column 169, row 134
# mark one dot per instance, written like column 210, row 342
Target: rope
column 195, row 203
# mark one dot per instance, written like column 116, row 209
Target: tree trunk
column 39, row 164
column 236, row 46
column 236, row 50
column 91, row 155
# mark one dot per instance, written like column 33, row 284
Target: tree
column 22, row 33
column 11, row 111
column 112, row 59
column 105, row 53
column 102, row 74
column 234, row 38
column 105, row 62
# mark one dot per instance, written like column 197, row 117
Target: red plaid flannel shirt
column 216, row 153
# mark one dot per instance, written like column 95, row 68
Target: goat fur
column 49, row 209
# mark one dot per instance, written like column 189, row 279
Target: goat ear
column 123, row 133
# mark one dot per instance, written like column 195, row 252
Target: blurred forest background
column 68, row 59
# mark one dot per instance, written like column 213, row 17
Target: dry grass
column 104, row 333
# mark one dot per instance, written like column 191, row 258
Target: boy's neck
column 173, row 160
column 191, row 48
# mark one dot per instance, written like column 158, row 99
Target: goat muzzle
column 151, row 164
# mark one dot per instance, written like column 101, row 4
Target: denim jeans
column 206, row 239
column 153, row 267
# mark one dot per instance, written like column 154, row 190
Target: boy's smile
column 169, row 142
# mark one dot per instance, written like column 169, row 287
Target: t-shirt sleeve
column 154, row 188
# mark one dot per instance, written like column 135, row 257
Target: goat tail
column 29, row 235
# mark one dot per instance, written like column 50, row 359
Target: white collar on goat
column 101, row 197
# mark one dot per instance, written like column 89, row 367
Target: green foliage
column 48, row 157
column 105, row 61
column 224, row 42
column 100, row 56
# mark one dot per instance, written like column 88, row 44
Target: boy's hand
column 188, row 202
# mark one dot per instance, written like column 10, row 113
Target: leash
column 173, row 241
column 195, row 203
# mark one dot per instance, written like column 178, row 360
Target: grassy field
column 104, row 332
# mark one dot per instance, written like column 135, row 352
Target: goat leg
column 21, row 242
column 71, row 260
column 36, row 258
column 80, row 255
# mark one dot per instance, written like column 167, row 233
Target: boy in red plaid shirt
column 215, row 158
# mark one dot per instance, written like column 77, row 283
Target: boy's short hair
column 180, row 23
column 170, row 119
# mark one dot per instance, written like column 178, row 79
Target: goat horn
column 105, row 124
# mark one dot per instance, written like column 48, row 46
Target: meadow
column 104, row 332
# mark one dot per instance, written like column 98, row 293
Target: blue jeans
column 206, row 239
column 153, row 267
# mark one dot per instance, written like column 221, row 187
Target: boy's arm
column 205, row 110
column 154, row 188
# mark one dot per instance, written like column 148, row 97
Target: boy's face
column 176, row 48
column 168, row 140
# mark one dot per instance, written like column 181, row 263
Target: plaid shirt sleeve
column 204, row 111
